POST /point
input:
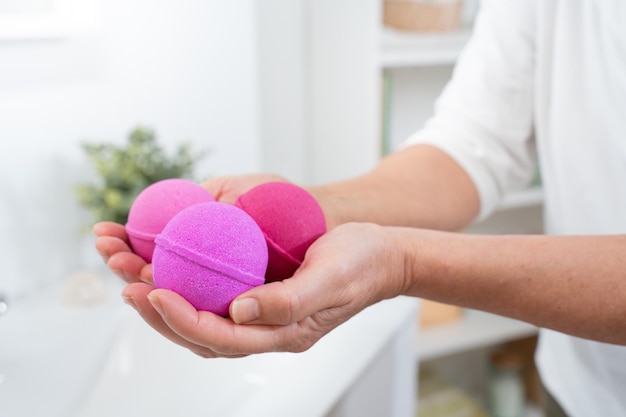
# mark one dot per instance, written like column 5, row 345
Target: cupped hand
column 346, row 270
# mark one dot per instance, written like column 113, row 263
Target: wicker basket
column 423, row 16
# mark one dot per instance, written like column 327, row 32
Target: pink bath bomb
column 291, row 220
column 155, row 206
column 210, row 253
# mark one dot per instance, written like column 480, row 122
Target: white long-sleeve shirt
column 548, row 77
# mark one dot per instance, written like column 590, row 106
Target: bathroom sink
column 51, row 353
column 145, row 374
column 104, row 361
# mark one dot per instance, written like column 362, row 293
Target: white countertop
column 105, row 361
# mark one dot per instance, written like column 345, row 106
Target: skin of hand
column 227, row 189
column 557, row 282
column 539, row 279
column 289, row 315
column 327, row 290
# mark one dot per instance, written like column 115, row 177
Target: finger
column 129, row 267
column 145, row 274
column 110, row 229
column 228, row 189
column 221, row 335
column 136, row 295
column 216, row 187
column 110, row 245
column 285, row 302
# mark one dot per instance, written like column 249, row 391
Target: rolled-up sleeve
column 484, row 117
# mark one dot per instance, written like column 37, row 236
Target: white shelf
column 402, row 49
column 532, row 196
column 476, row 329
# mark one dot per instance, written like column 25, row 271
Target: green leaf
column 124, row 171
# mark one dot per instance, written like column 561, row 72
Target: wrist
column 424, row 259
column 402, row 247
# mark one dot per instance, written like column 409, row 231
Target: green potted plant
column 124, row 171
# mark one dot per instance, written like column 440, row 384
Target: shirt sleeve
column 484, row 117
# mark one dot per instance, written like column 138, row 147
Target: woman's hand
column 346, row 270
column 228, row 189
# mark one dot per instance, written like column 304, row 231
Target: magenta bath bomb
column 210, row 253
column 155, row 206
column 291, row 220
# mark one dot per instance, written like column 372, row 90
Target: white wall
column 283, row 71
column 186, row 68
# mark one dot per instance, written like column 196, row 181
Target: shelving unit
column 334, row 117
column 532, row 196
column 401, row 50
column 404, row 59
column 349, row 51
column 476, row 329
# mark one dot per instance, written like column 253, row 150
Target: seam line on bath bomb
column 208, row 262
column 139, row 234
column 282, row 252
column 275, row 246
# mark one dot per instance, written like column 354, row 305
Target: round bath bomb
column 210, row 253
column 291, row 220
column 155, row 206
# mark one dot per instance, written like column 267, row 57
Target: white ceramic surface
column 101, row 361
column 51, row 353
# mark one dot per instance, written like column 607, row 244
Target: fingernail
column 129, row 300
column 156, row 303
column 245, row 310
column 145, row 274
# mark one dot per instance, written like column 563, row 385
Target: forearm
column 419, row 186
column 573, row 284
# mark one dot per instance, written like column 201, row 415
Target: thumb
column 218, row 187
column 282, row 302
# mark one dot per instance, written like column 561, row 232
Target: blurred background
column 188, row 70
column 289, row 87
column 316, row 90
